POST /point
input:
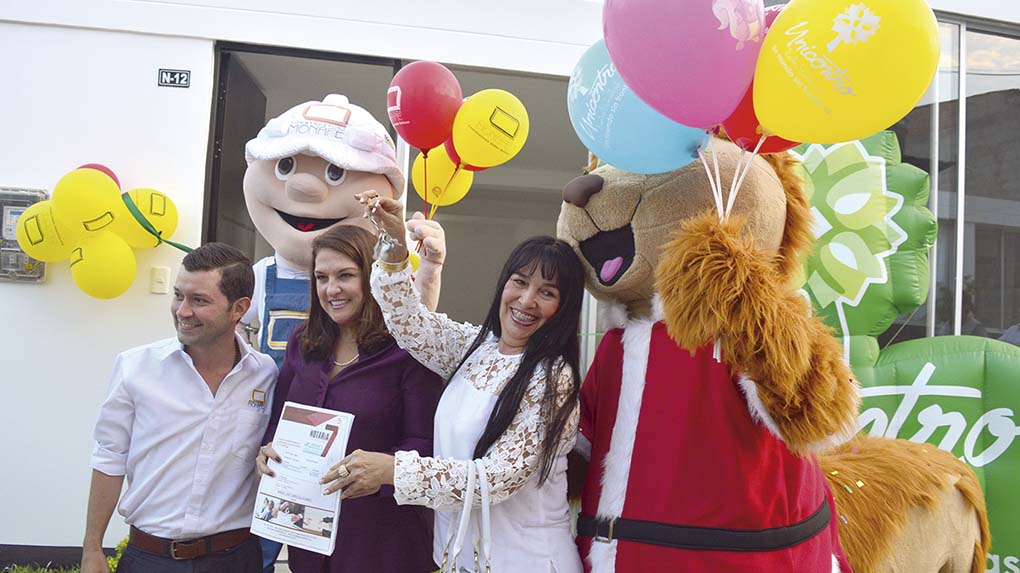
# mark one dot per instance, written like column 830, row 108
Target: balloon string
column 711, row 182
column 435, row 204
column 420, row 247
column 425, row 167
column 733, row 183
column 718, row 179
column 149, row 228
column 743, row 175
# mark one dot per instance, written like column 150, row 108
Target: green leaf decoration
column 872, row 230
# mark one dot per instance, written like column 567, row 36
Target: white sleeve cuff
column 107, row 461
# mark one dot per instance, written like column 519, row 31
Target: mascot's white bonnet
column 336, row 130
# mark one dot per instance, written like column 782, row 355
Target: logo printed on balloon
column 99, row 223
column 33, row 230
column 744, row 20
column 76, row 257
column 393, row 106
column 856, row 24
column 828, row 69
column 590, row 121
column 504, row 122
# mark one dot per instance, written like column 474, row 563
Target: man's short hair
column 237, row 280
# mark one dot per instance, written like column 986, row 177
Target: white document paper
column 290, row 507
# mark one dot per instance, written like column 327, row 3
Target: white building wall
column 70, row 97
column 541, row 36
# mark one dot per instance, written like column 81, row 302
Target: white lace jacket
column 439, row 343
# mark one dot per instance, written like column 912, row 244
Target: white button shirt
column 189, row 456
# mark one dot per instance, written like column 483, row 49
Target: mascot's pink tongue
column 610, row 268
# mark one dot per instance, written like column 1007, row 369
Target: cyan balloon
column 623, row 131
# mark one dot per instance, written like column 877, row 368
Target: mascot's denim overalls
column 286, row 306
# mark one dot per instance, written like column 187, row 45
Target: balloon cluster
column 817, row 71
column 89, row 221
column 456, row 137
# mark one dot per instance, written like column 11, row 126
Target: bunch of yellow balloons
column 88, row 222
column 490, row 128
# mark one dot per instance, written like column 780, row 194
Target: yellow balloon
column 446, row 183
column 490, row 128
column 103, row 265
column 838, row 70
column 158, row 209
column 88, row 201
column 41, row 236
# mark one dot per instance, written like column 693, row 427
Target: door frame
column 222, row 52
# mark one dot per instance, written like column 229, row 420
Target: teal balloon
column 619, row 128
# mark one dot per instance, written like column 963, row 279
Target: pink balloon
column 691, row 60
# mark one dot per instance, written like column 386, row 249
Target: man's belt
column 190, row 548
column 705, row 538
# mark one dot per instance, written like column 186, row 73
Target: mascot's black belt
column 707, row 538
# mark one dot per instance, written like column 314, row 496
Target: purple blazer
column 393, row 399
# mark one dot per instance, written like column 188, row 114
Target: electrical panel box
column 15, row 265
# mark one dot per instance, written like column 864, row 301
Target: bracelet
column 394, row 267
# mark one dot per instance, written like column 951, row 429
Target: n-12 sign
column 175, row 78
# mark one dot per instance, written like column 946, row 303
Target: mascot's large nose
column 580, row 189
column 306, row 188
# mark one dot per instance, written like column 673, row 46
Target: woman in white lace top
column 509, row 407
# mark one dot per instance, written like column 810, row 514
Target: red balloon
column 771, row 13
column 742, row 126
column 451, row 150
column 104, row 169
column 422, row 102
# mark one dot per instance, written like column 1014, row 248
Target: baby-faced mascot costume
column 304, row 168
column 705, row 408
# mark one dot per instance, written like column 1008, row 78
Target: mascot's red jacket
column 701, row 456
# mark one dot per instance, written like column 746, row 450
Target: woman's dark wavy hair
column 319, row 332
column 557, row 338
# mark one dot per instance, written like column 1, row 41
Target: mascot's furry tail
column 881, row 484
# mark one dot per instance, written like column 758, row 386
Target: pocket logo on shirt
column 258, row 400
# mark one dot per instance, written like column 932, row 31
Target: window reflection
column 992, row 211
column 915, row 133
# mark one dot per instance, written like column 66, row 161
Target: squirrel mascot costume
column 719, row 416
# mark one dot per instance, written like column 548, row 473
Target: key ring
column 385, row 243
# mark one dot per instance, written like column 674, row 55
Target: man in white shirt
column 183, row 420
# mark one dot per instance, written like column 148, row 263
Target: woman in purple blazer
column 343, row 358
